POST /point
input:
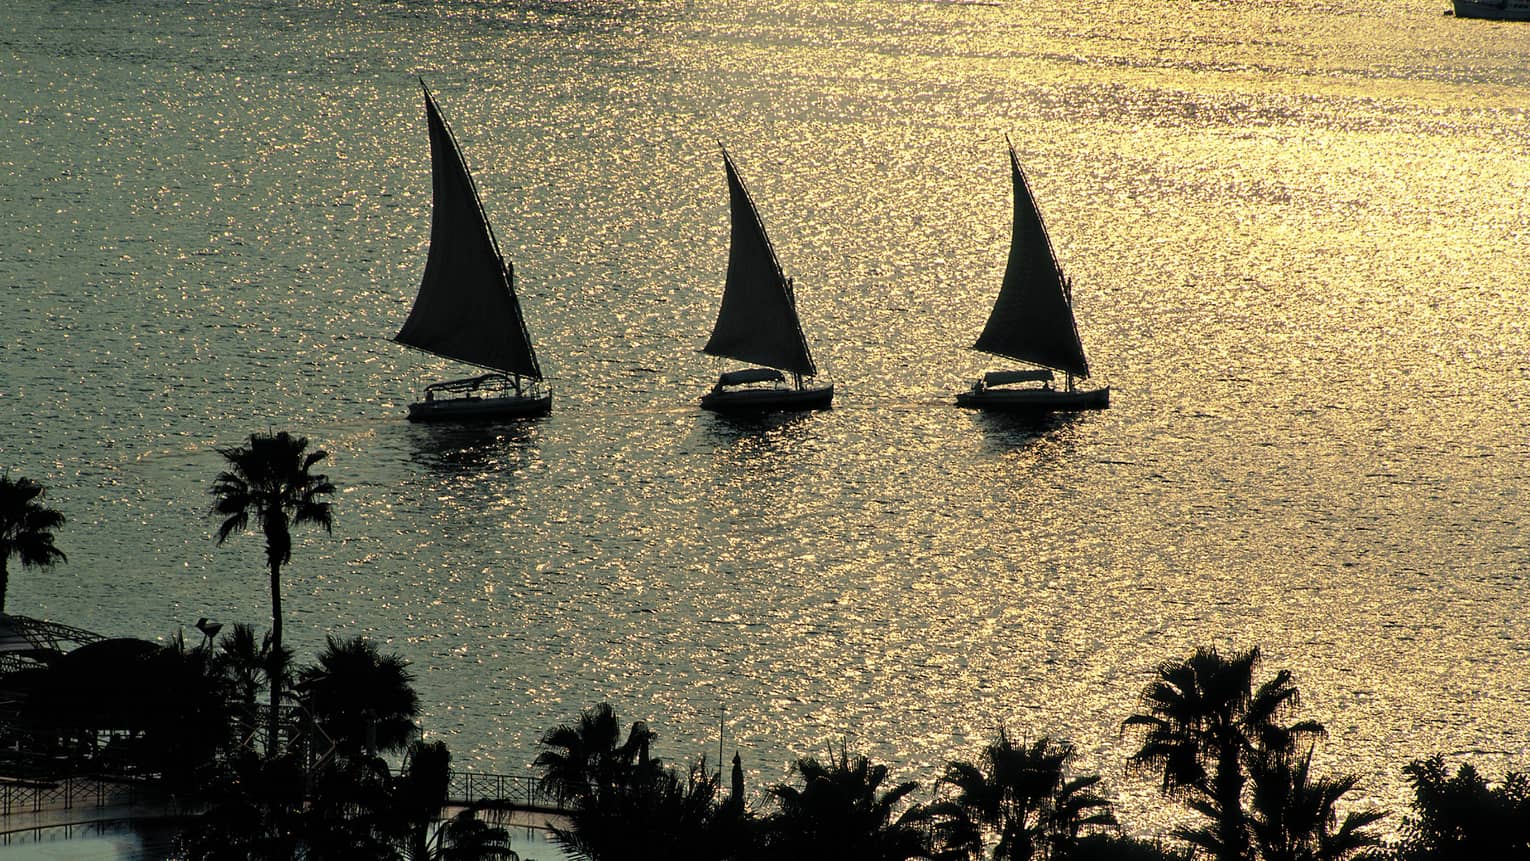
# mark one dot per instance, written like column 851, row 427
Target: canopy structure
column 751, row 375
column 26, row 642
column 1030, row 375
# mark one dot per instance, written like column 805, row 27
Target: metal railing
column 35, row 796
column 464, row 788
column 499, row 790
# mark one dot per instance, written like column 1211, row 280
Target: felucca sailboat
column 1032, row 322
column 466, row 309
column 758, row 323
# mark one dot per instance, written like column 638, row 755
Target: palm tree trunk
column 1229, row 801
column 5, row 579
column 273, row 741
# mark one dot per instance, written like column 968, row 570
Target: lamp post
column 209, row 629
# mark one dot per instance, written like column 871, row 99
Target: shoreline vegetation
column 326, row 760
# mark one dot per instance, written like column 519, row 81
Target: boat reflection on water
column 473, row 449
column 754, row 432
column 1004, row 430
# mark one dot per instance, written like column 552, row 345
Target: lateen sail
column 758, row 320
column 1032, row 320
column 466, row 308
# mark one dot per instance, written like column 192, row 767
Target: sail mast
column 758, row 320
column 1032, row 319
column 466, row 308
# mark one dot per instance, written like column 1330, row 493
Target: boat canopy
column 751, row 375
column 1031, row 375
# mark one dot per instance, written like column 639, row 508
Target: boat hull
column 1036, row 400
column 471, row 409
column 769, row 400
column 1496, row 10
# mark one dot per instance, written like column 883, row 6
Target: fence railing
column 515, row 790
column 69, row 793
column 35, row 796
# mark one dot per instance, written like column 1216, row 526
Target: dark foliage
column 1112, row 847
column 1293, row 816
column 162, row 710
column 842, row 809
column 271, row 481
column 1020, row 801
column 1461, row 816
column 623, row 803
column 26, row 529
column 1204, row 724
column 363, row 701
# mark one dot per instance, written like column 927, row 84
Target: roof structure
column 27, row 642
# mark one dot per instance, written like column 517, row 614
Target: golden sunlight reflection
column 1292, row 233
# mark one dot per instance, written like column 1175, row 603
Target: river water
column 1296, row 232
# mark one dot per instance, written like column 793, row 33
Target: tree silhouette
column 841, row 810
column 1204, row 722
column 363, row 700
column 253, row 811
column 622, row 804
column 655, row 812
column 246, row 667
column 1292, row 816
column 270, row 480
column 1462, row 816
column 26, row 529
column 420, row 793
column 1023, row 797
column 587, row 761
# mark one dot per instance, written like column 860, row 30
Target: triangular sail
column 758, row 320
column 466, row 308
column 1032, row 320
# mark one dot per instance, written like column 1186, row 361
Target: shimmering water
column 1296, row 232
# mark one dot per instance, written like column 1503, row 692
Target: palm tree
column 465, row 837
column 842, row 811
column 657, row 813
column 420, row 794
column 26, row 528
column 363, row 700
column 246, row 666
column 622, row 804
column 271, row 480
column 1204, row 721
column 254, row 811
column 1024, row 796
column 585, row 762
column 1292, row 816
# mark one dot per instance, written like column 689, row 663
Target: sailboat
column 1032, row 322
column 758, row 323
column 466, row 309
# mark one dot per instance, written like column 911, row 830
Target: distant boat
column 1032, row 322
column 466, row 309
column 758, row 323
column 1499, row 10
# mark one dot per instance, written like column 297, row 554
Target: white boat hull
column 1038, row 400
column 769, row 400
column 1497, row 10
column 476, row 408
